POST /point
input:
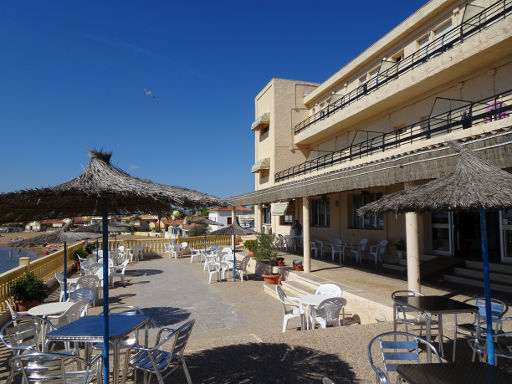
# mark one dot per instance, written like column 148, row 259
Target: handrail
column 44, row 268
column 482, row 111
column 455, row 35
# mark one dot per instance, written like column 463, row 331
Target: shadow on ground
column 165, row 316
column 144, row 272
column 266, row 363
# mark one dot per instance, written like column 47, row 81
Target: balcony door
column 506, row 236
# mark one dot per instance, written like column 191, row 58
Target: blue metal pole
column 234, row 258
column 487, row 287
column 65, row 272
column 105, row 295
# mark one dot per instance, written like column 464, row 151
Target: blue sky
column 73, row 73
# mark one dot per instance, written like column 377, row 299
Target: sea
column 9, row 262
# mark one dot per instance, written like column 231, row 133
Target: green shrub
column 198, row 230
column 268, row 248
column 251, row 245
column 28, row 288
column 89, row 248
column 79, row 252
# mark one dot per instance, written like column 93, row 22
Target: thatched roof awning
column 261, row 122
column 100, row 182
column 63, row 235
column 261, row 165
column 233, row 229
column 421, row 165
column 473, row 183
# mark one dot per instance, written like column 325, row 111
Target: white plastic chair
column 291, row 308
column 168, row 249
column 83, row 294
column 241, row 267
column 183, row 247
column 378, row 251
column 327, row 313
column 359, row 251
column 337, row 248
column 212, row 265
column 227, row 260
column 73, row 313
column 195, row 253
column 314, row 248
column 119, row 271
column 59, row 276
column 331, row 290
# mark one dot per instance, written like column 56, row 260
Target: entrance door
column 442, row 234
column 506, row 236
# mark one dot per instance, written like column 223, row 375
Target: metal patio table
column 431, row 306
column 89, row 329
column 453, row 373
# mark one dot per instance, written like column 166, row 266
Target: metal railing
column 483, row 111
column 445, row 42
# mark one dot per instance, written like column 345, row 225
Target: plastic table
column 311, row 301
column 50, row 309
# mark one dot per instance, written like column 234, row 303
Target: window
column 422, row 41
column 320, row 212
column 397, row 57
column 230, row 220
column 287, row 219
column 266, row 215
column 366, row 221
column 443, row 29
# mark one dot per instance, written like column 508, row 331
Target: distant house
column 33, row 226
column 223, row 215
column 53, row 223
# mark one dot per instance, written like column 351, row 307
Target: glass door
column 506, row 236
column 442, row 233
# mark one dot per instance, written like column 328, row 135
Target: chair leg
column 185, row 369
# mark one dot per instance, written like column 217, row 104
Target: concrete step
column 477, row 283
column 499, row 268
column 307, row 279
column 297, row 288
column 478, row 275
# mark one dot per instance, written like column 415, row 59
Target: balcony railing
column 465, row 115
column 445, row 42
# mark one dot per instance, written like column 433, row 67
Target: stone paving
column 237, row 337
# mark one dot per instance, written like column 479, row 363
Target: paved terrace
column 237, row 337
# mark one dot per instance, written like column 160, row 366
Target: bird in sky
column 148, row 92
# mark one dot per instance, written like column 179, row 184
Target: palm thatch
column 233, row 229
column 98, row 228
column 473, row 183
column 100, row 183
column 63, row 235
column 204, row 220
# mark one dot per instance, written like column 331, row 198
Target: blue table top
column 90, row 328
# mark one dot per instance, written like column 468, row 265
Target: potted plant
column 89, row 248
column 267, row 250
column 400, row 248
column 251, row 246
column 280, row 261
column 28, row 291
column 77, row 253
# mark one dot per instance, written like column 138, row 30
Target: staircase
column 471, row 274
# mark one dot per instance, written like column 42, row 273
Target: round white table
column 49, row 309
column 311, row 301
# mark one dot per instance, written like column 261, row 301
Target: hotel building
column 380, row 124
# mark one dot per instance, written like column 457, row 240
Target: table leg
column 429, row 337
column 441, row 337
column 116, row 363
column 394, row 317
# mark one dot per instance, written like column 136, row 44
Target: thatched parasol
column 204, row 220
column 62, row 235
column 474, row 185
column 100, row 183
column 101, row 188
column 234, row 229
column 98, row 228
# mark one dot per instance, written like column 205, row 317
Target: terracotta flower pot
column 251, row 253
column 77, row 265
column 298, row 267
column 271, row 279
column 25, row 305
column 280, row 263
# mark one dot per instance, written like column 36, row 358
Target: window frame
column 366, row 222
column 322, row 219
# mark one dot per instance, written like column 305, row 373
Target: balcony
column 390, row 71
column 447, row 116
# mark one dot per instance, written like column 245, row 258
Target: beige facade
column 380, row 124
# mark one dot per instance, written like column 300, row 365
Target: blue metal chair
column 502, row 341
column 397, row 348
column 498, row 309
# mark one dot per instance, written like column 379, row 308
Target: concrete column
column 23, row 261
column 306, row 234
column 413, row 254
column 257, row 218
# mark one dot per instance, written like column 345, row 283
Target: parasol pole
column 105, row 295
column 65, row 272
column 487, row 287
column 234, row 258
